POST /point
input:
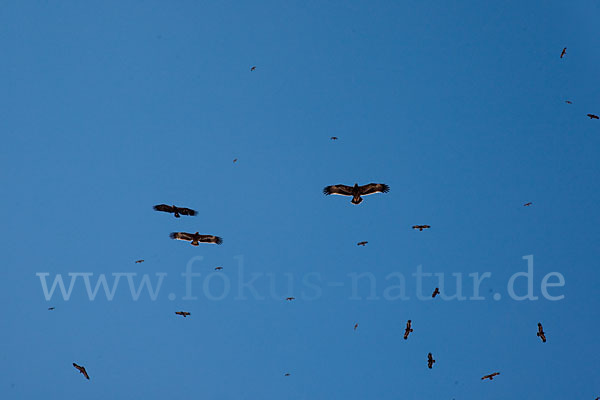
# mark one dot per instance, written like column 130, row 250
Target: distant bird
column 218, row 268
column 361, row 243
column 408, row 329
column 593, row 116
column 184, row 314
column 178, row 211
column 82, row 370
column 253, row 68
column 356, row 191
column 50, row 308
column 527, row 204
column 287, row 374
column 430, row 361
column 139, row 261
column 490, row 376
column 334, row 138
column 355, row 326
column 541, row 334
column 568, row 102
column 564, row 51
column 435, row 292
column 421, row 227
column 290, row 298
column 235, row 160
column 195, row 238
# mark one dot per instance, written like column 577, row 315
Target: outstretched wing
column 342, row 190
column 210, row 239
column 84, row 372
column 186, row 211
column 181, row 236
column 373, row 188
column 164, row 208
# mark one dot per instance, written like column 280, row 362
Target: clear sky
column 108, row 108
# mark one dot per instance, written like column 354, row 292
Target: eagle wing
column 338, row 189
column 210, row 239
column 164, row 208
column 85, row 373
column 373, row 188
column 186, row 211
column 181, row 236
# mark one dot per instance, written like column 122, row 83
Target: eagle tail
column 356, row 200
column 195, row 243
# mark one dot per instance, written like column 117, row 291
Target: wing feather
column 181, row 236
column 163, row 208
column 186, row 211
column 210, row 239
column 373, row 188
column 342, row 190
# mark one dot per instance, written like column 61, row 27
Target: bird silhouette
column 593, row 116
column 184, row 314
column 361, row 243
column 563, row 52
column 421, row 227
column 430, row 361
column 541, row 334
column 435, row 292
column 82, row 370
column 408, row 329
column 490, row 376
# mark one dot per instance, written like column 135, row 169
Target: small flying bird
column 178, row 211
column 408, row 329
column 195, row 238
column 568, row 102
column 139, row 261
column 334, row 138
column 490, row 376
column 218, row 268
column 435, row 292
column 253, row 68
column 361, row 243
column 287, row 374
column 593, row 116
column 564, row 51
column 235, row 160
column 50, row 308
column 184, row 314
column 541, row 334
column 355, row 326
column 421, row 227
column 527, row 204
column 82, row 370
column 430, row 361
column 356, row 191
column 290, row 298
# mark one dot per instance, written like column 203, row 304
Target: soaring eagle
column 356, row 191
column 50, row 308
column 195, row 238
column 334, row 138
column 139, row 261
column 568, row 102
column 408, row 329
column 178, row 211
column 355, row 326
column 362, row 243
column 218, row 268
column 253, row 68
column 82, row 370
column 430, row 361
column 421, row 227
column 563, row 52
column 541, row 334
column 593, row 116
column 435, row 292
column 527, row 204
column 287, row 374
column 290, row 298
column 184, row 314
column 490, row 376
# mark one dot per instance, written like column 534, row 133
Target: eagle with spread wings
column 430, row 360
column 593, row 116
column 490, row 376
column 82, row 370
column 563, row 52
column 196, row 238
column 184, row 314
column 356, row 191
column 408, row 329
column 178, row 211
column 435, row 292
column 421, row 227
column 541, row 334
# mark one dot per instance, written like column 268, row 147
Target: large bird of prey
column 178, row 211
column 527, row 204
column 184, row 314
column 356, row 191
column 253, row 68
column 287, row 374
column 490, row 376
column 408, row 329
column 290, row 298
column 568, row 102
column 218, row 268
column 82, row 370
column 50, row 308
column 430, row 361
column 362, row 243
column 355, row 326
column 334, row 138
column 563, row 52
column 139, row 261
column 541, row 334
column 593, row 116
column 435, row 292
column 421, row 227
column 195, row 238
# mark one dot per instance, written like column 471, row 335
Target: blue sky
column 108, row 109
